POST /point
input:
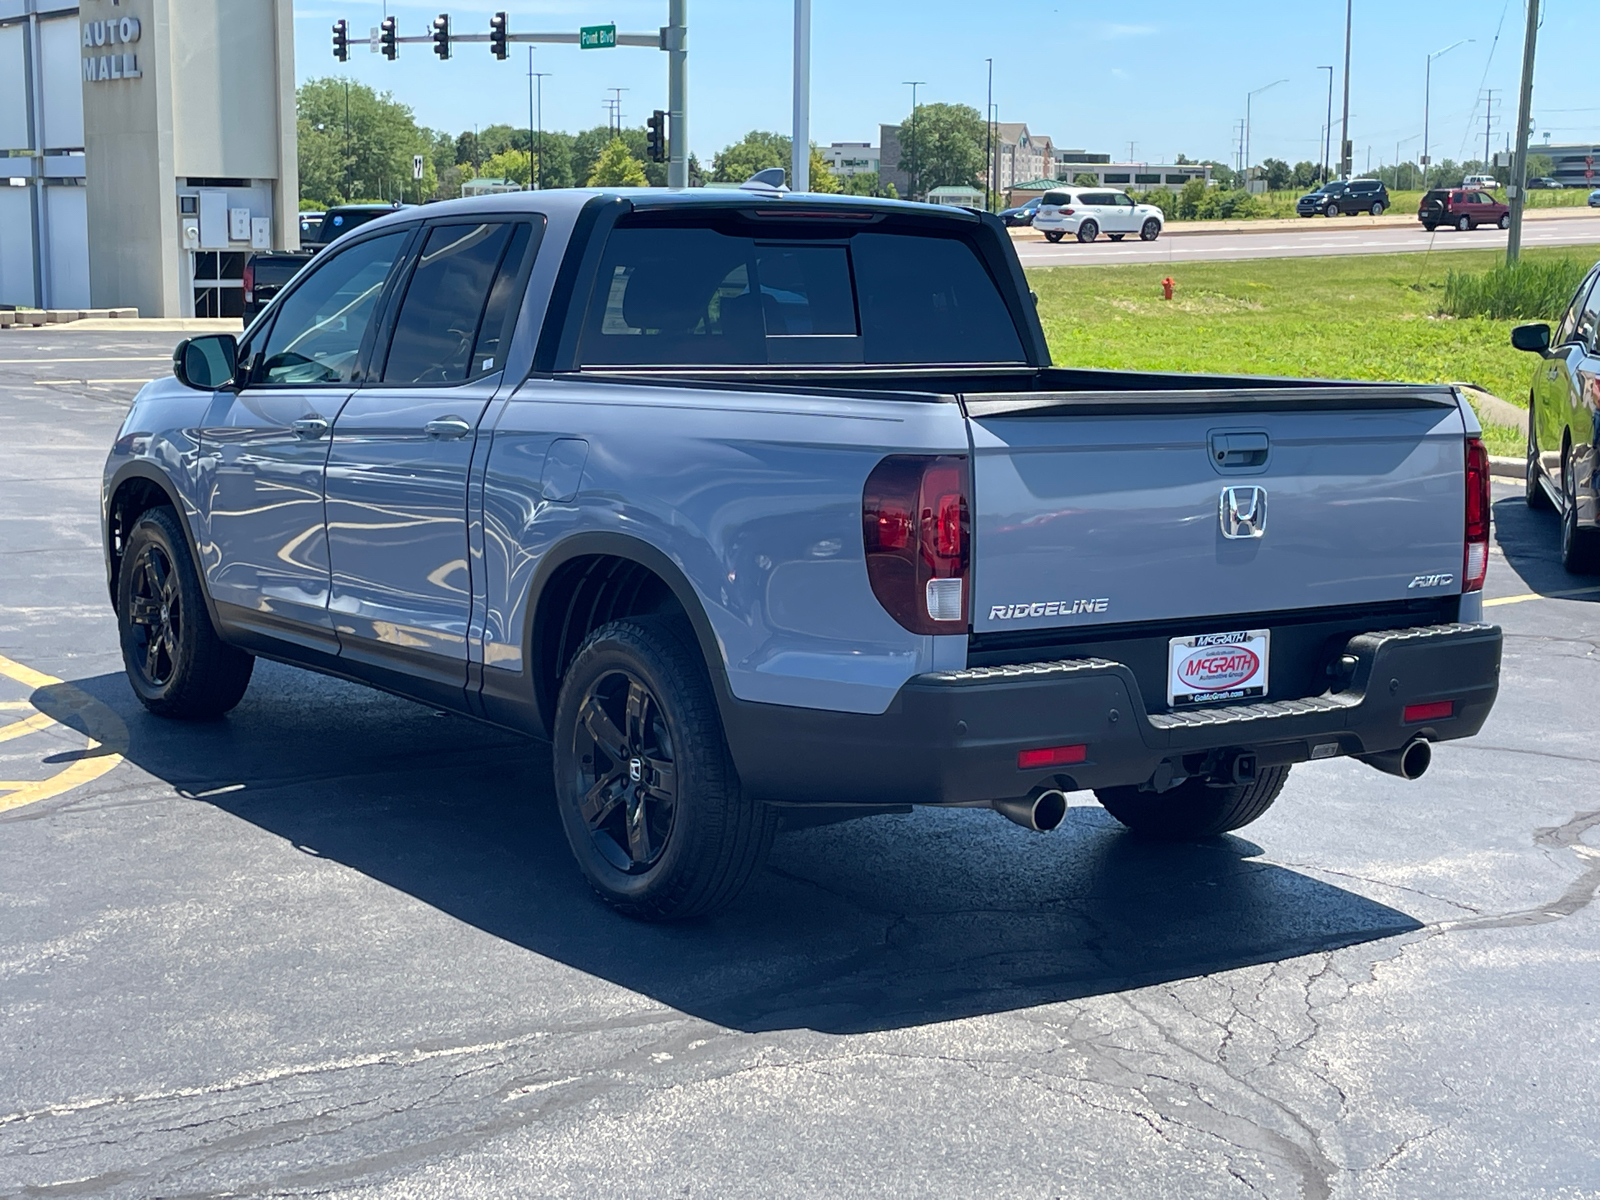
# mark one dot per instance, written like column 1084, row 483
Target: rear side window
column 714, row 296
column 1056, row 198
column 452, row 319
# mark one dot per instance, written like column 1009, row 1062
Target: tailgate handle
column 1239, row 451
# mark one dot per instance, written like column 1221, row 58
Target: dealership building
column 147, row 147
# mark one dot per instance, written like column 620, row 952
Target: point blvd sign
column 597, row 37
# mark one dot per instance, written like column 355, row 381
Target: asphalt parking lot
column 335, row 943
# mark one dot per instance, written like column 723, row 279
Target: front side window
column 716, row 296
column 317, row 335
column 1123, row 199
column 1569, row 322
column 446, row 332
column 1589, row 320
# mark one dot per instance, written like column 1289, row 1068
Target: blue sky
column 1165, row 76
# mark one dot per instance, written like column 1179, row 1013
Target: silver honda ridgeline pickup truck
column 753, row 502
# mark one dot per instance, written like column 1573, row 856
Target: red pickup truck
column 1463, row 208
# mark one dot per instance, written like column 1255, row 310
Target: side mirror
column 207, row 363
column 1533, row 338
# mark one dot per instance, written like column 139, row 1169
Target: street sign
column 597, row 37
column 416, row 166
column 376, row 42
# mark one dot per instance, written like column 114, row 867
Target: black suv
column 1355, row 196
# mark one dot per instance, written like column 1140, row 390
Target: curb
column 1507, row 468
column 35, row 318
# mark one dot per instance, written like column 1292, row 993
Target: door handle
column 447, row 428
column 310, row 428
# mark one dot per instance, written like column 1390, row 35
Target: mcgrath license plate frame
column 1226, row 676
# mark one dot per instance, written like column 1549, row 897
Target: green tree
column 1190, row 198
column 1307, row 174
column 1277, row 174
column 515, row 165
column 756, row 151
column 863, row 183
column 367, row 155
column 1084, row 179
column 587, row 148
column 617, row 167
column 945, row 147
column 1540, row 165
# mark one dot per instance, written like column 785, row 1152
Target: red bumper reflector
column 1054, row 756
column 1436, row 711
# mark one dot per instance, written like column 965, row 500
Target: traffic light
column 655, row 136
column 441, row 35
column 389, row 38
column 498, row 36
column 341, row 40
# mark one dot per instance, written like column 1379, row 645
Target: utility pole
column 1519, row 160
column 347, row 163
column 1327, row 130
column 988, row 143
column 913, row 84
column 616, row 106
column 800, row 142
column 1488, row 115
column 531, row 150
column 1346, row 150
column 539, row 77
column 676, row 40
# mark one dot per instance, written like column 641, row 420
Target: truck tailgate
column 1111, row 508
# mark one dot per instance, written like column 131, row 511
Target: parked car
column 749, row 501
column 1594, row 198
column 1544, row 183
column 1461, row 208
column 1564, row 423
column 1022, row 214
column 266, row 273
column 1086, row 213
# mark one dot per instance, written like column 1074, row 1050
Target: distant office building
column 1576, row 165
column 889, row 155
column 1139, row 177
column 1020, row 155
column 852, row 158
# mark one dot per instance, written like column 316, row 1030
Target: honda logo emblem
column 1243, row 512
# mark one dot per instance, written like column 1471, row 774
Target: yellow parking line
column 105, row 732
column 25, row 726
column 1561, row 595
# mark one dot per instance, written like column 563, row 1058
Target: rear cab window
column 722, row 290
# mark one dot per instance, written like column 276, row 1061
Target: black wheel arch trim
column 141, row 469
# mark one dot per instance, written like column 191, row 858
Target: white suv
column 1487, row 182
column 1086, row 213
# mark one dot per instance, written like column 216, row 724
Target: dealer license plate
column 1212, row 667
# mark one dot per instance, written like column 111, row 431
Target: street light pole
column 1346, row 152
column 1427, row 99
column 913, row 84
column 539, row 77
column 677, row 46
column 1327, row 130
column 800, row 142
column 988, row 143
column 1249, row 96
column 1519, row 160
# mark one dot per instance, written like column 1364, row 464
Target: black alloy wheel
column 155, row 616
column 1332, row 210
column 176, row 663
column 647, row 791
column 1150, row 231
column 1377, row 208
column 1088, row 231
column 626, row 774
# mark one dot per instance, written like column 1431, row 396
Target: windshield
column 1331, row 188
column 342, row 221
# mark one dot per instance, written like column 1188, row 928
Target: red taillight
column 1437, row 711
column 1476, row 563
column 916, row 524
column 249, row 282
column 1067, row 212
column 1053, row 756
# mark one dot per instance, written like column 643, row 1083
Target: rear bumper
column 953, row 737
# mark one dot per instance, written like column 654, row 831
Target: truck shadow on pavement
column 880, row 923
column 1531, row 542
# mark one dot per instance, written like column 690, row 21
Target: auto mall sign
column 106, row 49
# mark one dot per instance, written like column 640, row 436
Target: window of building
column 1179, row 178
column 1113, row 178
column 1147, row 178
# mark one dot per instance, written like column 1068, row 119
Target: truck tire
column 1088, row 231
column 1152, row 230
column 1193, row 809
column 1377, row 208
column 648, row 794
column 1053, row 235
column 1532, row 490
column 1580, row 546
column 177, row 664
column 1331, row 211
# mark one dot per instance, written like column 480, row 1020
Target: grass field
column 1353, row 317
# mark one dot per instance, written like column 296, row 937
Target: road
column 1325, row 237
column 335, row 944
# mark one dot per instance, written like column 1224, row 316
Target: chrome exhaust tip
column 1041, row 810
column 1411, row 761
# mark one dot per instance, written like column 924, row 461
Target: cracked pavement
column 335, row 945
